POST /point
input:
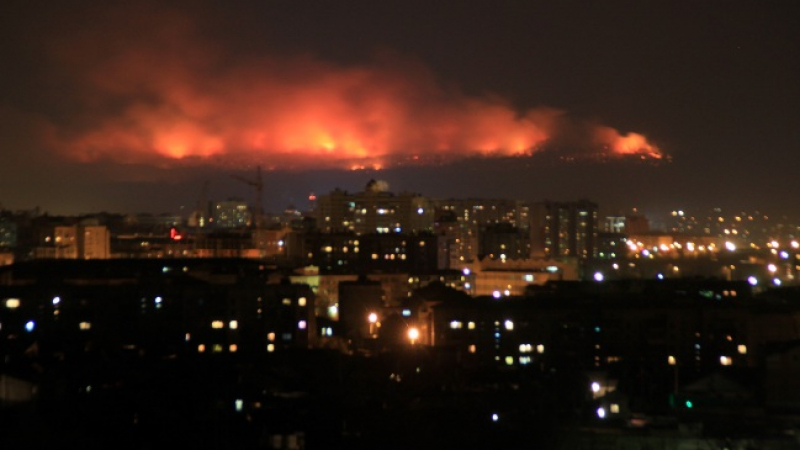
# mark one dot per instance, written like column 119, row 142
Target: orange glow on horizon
column 172, row 96
column 628, row 144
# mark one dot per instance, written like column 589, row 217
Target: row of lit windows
column 457, row 325
column 390, row 256
column 31, row 325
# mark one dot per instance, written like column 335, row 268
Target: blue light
column 29, row 326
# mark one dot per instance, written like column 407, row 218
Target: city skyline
column 704, row 94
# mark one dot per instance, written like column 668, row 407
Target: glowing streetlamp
column 372, row 319
column 413, row 335
column 598, row 276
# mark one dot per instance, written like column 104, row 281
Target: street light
column 373, row 319
column 413, row 335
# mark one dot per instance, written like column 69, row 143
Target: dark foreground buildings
column 227, row 353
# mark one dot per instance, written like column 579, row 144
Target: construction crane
column 200, row 216
column 258, row 184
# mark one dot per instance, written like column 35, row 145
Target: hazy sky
column 120, row 107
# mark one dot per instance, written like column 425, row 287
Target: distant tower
column 564, row 229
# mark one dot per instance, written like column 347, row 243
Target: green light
column 689, row 404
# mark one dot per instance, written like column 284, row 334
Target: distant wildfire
column 168, row 95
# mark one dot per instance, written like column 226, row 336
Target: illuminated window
column 85, row 325
column 233, row 324
column 742, row 349
column 301, row 324
column 614, row 408
column 232, row 348
column 188, row 337
column 287, row 301
column 471, row 325
column 201, row 348
column 509, row 360
column 455, row 325
column 540, row 348
column 12, row 303
column 509, row 325
column 270, row 348
column 217, row 348
column 725, row 360
column 217, row 324
column 472, row 348
column 271, row 337
column 301, row 301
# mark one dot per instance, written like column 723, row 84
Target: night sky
column 133, row 108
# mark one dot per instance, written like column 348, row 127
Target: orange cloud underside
column 175, row 98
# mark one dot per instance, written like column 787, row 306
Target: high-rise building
column 482, row 212
column 457, row 241
column 82, row 242
column 461, row 224
column 231, row 214
column 95, row 242
column 564, row 229
column 374, row 211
